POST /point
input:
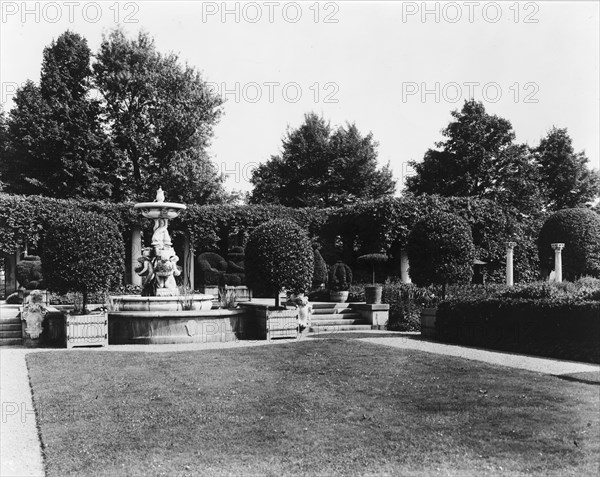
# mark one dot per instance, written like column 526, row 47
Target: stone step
column 337, row 316
column 321, row 304
column 11, row 334
column 330, row 310
column 334, row 328
column 333, row 322
column 10, row 326
column 11, row 341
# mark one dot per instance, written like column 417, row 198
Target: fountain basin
column 195, row 302
column 170, row 327
column 160, row 210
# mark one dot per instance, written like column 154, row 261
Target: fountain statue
column 158, row 263
column 158, row 266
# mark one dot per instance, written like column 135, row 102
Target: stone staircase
column 10, row 325
column 332, row 317
column 10, row 332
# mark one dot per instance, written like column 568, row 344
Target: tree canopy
column 113, row 129
column 480, row 159
column 322, row 166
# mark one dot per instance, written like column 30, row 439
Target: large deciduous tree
column 118, row 129
column 57, row 146
column 321, row 166
column 480, row 159
column 569, row 182
column 161, row 115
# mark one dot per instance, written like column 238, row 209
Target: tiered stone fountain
column 162, row 314
column 158, row 266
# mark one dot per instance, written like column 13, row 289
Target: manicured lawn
column 323, row 406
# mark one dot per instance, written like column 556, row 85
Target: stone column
column 10, row 272
column 509, row 263
column 404, row 267
column 136, row 252
column 558, row 261
column 188, row 263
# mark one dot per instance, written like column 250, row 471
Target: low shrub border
column 558, row 328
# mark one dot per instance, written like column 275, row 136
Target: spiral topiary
column 279, row 256
column 29, row 272
column 440, row 250
column 82, row 252
column 320, row 272
column 579, row 230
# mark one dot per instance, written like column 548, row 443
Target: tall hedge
column 279, row 255
column 579, row 230
column 440, row 250
column 82, row 252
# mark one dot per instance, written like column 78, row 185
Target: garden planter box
column 86, row 330
column 373, row 294
column 274, row 323
column 339, row 296
column 242, row 292
column 428, row 316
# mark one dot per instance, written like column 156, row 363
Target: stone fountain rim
column 159, row 205
column 139, row 298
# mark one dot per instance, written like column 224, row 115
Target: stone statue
column 160, row 195
column 161, row 237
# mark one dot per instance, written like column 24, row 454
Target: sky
column 396, row 69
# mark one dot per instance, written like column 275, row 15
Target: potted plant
column 83, row 253
column 340, row 278
column 279, row 256
column 373, row 292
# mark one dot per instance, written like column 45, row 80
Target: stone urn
column 340, row 296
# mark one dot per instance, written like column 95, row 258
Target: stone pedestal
column 509, row 263
column 558, row 247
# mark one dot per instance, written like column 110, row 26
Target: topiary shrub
column 214, row 259
column 234, row 268
column 83, row 253
column 579, row 230
column 29, row 272
column 340, row 277
column 372, row 259
column 279, row 256
column 231, row 279
column 320, row 272
column 440, row 250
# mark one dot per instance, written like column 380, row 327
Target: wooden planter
column 86, row 330
column 281, row 323
column 428, row 322
column 373, row 294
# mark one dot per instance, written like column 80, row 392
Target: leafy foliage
column 321, row 167
column 82, row 252
column 279, row 256
column 29, row 272
column 440, row 250
column 479, row 159
column 579, row 230
column 565, row 173
column 150, row 127
column 56, row 143
column 340, row 277
column 320, row 270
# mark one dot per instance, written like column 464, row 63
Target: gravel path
column 530, row 363
column 20, row 451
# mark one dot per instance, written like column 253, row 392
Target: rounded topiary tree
column 279, row 256
column 440, row 250
column 579, row 230
column 340, row 277
column 29, row 272
column 82, row 252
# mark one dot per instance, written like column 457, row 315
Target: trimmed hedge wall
column 565, row 329
column 343, row 233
